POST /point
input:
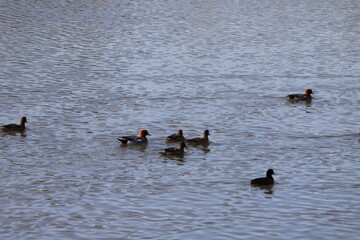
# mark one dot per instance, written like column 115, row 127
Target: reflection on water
column 306, row 103
column 180, row 158
column 12, row 133
column 266, row 189
column 85, row 73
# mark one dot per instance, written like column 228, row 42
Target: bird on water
column 199, row 140
column 268, row 180
column 140, row 139
column 15, row 127
column 172, row 151
column 301, row 97
column 176, row 137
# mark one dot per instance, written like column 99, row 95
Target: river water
column 87, row 72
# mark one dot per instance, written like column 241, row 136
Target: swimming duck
column 176, row 137
column 199, row 140
column 140, row 139
column 268, row 180
column 301, row 97
column 15, row 127
column 174, row 151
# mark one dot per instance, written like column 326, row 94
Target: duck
column 301, row 97
column 268, row 180
column 172, row 151
column 15, row 127
column 140, row 139
column 176, row 137
column 199, row 140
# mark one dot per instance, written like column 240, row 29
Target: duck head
column 269, row 173
column 206, row 133
column 23, row 120
column 308, row 92
column 143, row 133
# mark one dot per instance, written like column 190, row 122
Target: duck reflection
column 174, row 158
column 268, row 189
column 13, row 133
column 140, row 147
column 205, row 149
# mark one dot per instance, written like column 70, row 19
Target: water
column 85, row 73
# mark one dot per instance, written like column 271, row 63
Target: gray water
column 87, row 72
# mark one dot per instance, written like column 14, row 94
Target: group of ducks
column 172, row 151
column 177, row 137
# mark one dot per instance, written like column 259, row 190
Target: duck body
column 199, row 140
column 268, row 180
column 15, row 127
column 301, row 97
column 140, row 139
column 172, row 151
column 176, row 137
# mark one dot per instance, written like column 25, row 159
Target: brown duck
column 176, row 137
column 15, row 127
column 174, row 151
column 199, row 140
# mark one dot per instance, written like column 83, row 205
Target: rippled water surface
column 87, row 72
